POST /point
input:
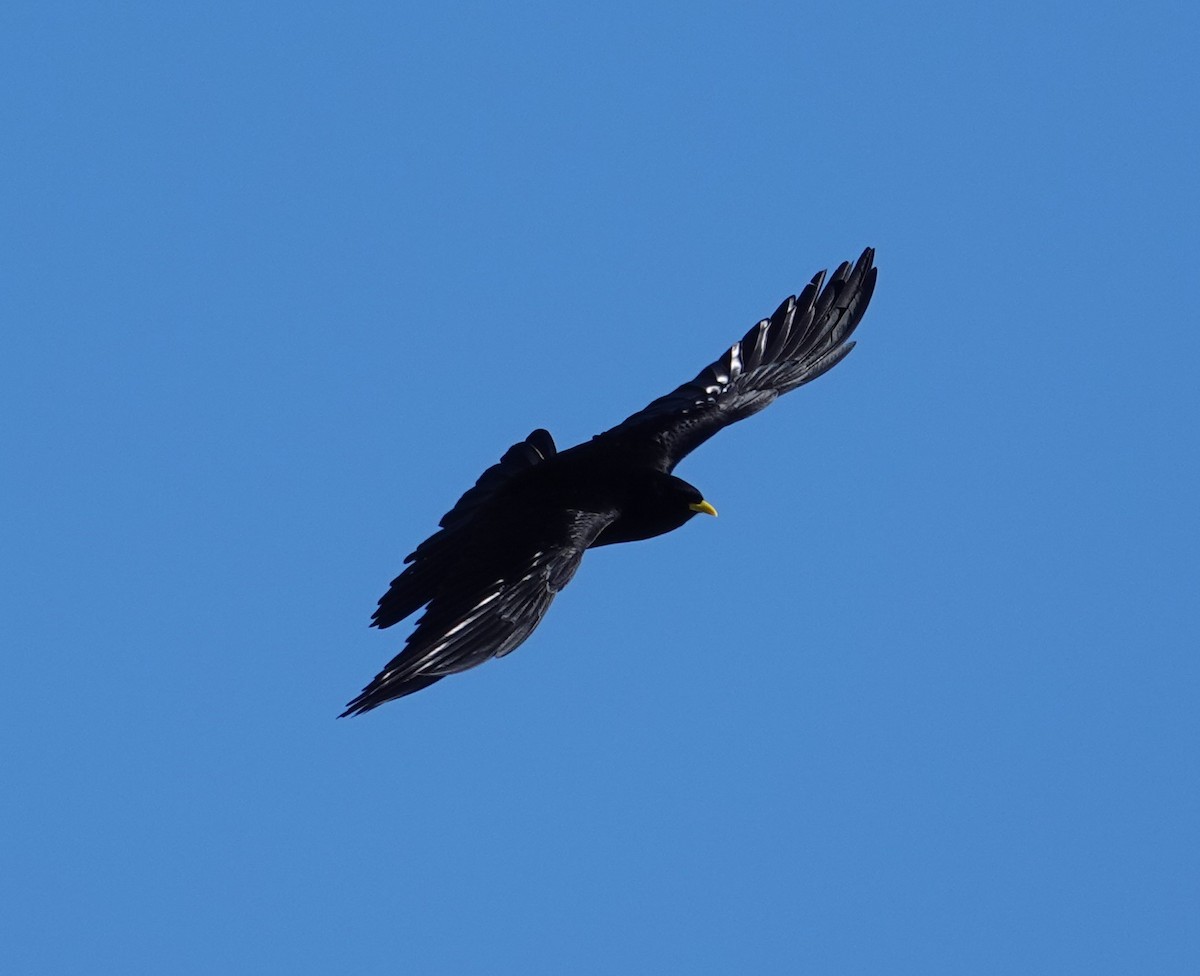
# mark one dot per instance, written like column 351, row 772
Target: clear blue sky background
column 279, row 281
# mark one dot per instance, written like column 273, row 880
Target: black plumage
column 490, row 572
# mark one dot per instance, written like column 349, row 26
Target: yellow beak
column 703, row 506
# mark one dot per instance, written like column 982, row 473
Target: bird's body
column 513, row 541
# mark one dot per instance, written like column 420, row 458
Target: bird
column 511, row 543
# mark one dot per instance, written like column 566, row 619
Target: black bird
column 487, row 577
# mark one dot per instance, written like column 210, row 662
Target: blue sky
column 280, row 282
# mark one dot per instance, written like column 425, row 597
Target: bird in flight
column 502, row 553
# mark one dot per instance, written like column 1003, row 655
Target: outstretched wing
column 807, row 336
column 487, row 602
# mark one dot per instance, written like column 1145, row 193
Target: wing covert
column 426, row 564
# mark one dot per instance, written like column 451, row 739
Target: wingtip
column 361, row 703
column 382, row 690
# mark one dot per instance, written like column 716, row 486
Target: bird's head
column 698, row 505
column 656, row 503
column 683, row 500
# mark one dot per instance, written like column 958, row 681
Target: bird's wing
column 805, row 337
column 480, row 613
column 429, row 562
